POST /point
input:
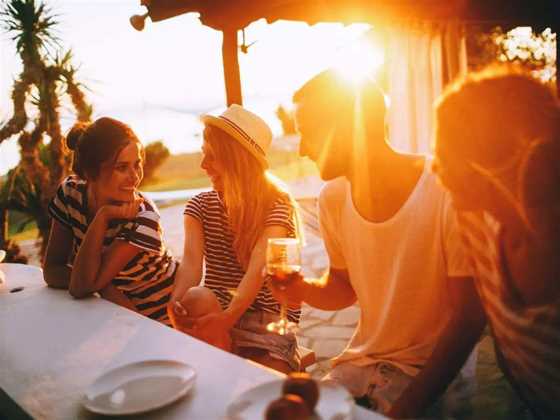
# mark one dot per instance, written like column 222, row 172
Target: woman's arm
column 189, row 273
column 94, row 269
column 249, row 286
column 56, row 272
column 112, row 294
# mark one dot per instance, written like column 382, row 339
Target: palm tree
column 47, row 77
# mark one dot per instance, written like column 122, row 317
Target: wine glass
column 283, row 263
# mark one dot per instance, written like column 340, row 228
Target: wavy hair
column 249, row 192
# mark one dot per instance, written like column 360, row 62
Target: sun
column 359, row 60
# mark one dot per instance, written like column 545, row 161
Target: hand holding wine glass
column 283, row 264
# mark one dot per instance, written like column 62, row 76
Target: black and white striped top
column 223, row 272
column 147, row 279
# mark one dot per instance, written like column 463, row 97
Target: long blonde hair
column 249, row 192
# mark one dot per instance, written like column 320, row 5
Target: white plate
column 335, row 402
column 139, row 387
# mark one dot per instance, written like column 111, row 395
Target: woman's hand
column 179, row 317
column 126, row 210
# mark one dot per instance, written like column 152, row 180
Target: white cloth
column 421, row 58
column 398, row 269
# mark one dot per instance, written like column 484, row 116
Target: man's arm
column 331, row 292
column 450, row 353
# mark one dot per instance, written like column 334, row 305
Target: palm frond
column 32, row 26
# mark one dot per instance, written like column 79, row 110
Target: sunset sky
column 161, row 79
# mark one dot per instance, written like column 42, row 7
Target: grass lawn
column 173, row 180
column 30, row 232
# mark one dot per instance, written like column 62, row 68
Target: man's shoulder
column 333, row 191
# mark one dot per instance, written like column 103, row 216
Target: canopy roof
column 231, row 15
column 237, row 14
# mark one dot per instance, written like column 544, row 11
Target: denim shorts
column 383, row 383
column 250, row 332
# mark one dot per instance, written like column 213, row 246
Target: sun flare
column 359, row 61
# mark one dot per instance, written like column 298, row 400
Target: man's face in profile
column 320, row 140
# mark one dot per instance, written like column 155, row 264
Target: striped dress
column 223, row 272
column 147, row 279
column 527, row 338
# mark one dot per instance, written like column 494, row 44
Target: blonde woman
column 227, row 229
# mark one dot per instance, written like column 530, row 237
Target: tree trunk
column 3, row 227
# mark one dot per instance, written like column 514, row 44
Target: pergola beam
column 229, row 16
column 556, row 29
column 232, row 76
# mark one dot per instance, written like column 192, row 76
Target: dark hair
column 96, row 143
column 331, row 93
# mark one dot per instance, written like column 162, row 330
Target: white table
column 18, row 276
column 52, row 347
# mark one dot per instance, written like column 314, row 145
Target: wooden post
column 231, row 67
column 557, row 30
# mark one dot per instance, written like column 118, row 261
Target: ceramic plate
column 139, row 387
column 335, row 403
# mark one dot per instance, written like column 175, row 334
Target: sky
column 161, row 79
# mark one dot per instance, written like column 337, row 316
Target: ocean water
column 180, row 131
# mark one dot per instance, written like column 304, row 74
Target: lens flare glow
column 359, row 61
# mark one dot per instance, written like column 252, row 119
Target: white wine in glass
column 283, row 263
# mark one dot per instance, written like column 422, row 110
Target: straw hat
column 247, row 128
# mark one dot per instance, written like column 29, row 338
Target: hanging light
column 138, row 21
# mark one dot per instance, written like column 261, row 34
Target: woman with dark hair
column 106, row 236
column 497, row 149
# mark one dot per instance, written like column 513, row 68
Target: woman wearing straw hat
column 227, row 229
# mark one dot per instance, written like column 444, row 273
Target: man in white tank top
column 389, row 230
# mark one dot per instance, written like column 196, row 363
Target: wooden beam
column 557, row 30
column 232, row 78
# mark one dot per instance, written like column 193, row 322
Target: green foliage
column 31, row 25
column 13, row 253
column 184, row 172
column 534, row 51
column 47, row 76
column 156, row 154
column 24, row 195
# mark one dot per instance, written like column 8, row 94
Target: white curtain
column 422, row 57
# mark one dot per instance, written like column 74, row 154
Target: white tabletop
column 17, row 277
column 52, row 347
